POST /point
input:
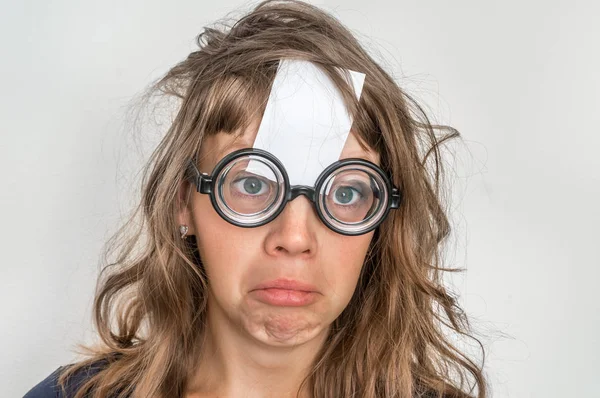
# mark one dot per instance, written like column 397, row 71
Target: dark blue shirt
column 49, row 388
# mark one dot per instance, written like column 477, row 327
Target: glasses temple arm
column 201, row 181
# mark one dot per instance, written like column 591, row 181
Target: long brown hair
column 392, row 339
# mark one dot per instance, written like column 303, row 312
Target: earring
column 183, row 230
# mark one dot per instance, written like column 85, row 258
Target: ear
column 184, row 206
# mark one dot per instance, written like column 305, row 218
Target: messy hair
column 393, row 338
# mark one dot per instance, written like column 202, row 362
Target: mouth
column 285, row 293
column 287, row 284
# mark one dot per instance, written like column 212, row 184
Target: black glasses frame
column 205, row 184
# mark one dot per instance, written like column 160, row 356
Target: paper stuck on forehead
column 305, row 123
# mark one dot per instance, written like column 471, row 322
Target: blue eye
column 250, row 186
column 346, row 195
column 349, row 195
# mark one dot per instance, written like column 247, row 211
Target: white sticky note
column 305, row 123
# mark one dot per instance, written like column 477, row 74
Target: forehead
column 217, row 146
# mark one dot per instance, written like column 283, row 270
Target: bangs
column 235, row 101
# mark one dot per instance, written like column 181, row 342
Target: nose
column 293, row 232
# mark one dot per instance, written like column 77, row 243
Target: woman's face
column 282, row 283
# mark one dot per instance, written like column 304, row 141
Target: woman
column 263, row 268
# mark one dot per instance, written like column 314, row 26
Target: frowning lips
column 285, row 293
column 287, row 284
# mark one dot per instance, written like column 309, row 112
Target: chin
column 286, row 328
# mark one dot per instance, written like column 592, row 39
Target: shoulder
column 49, row 388
column 46, row 388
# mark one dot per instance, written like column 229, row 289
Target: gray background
column 519, row 79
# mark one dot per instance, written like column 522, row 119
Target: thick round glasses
column 250, row 187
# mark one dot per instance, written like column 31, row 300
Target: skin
column 252, row 348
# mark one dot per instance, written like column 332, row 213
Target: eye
column 345, row 195
column 251, row 186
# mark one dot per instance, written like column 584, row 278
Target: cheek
column 343, row 264
column 222, row 246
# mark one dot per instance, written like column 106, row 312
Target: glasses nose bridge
column 297, row 190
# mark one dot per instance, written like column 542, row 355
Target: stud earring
column 183, row 230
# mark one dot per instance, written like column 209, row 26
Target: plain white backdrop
column 518, row 79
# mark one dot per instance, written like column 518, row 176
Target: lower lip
column 284, row 297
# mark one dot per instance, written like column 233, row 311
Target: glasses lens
column 353, row 198
column 250, row 188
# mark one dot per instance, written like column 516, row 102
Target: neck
column 234, row 364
